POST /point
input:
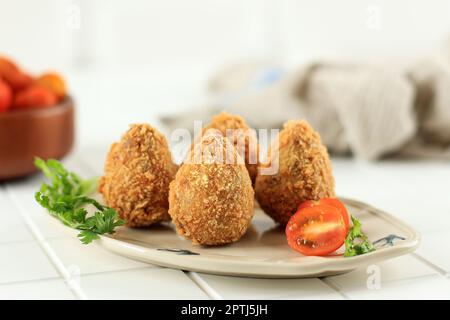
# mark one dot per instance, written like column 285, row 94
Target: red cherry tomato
column 7, row 66
column 54, row 82
column 5, row 96
column 18, row 80
column 11, row 73
column 316, row 230
column 36, row 97
column 331, row 202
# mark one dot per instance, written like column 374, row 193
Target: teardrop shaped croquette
column 304, row 172
column 242, row 136
column 138, row 171
column 211, row 200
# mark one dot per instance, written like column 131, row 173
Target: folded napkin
column 366, row 110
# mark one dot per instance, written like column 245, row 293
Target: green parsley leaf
column 87, row 236
column 66, row 198
column 357, row 242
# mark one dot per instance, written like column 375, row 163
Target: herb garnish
column 357, row 242
column 66, row 198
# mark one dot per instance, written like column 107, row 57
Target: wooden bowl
column 26, row 134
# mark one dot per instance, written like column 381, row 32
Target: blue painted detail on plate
column 182, row 252
column 388, row 240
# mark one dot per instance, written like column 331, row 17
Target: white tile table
column 39, row 258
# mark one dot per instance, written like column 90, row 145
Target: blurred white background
column 127, row 61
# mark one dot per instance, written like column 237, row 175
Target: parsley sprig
column 357, row 242
column 66, row 198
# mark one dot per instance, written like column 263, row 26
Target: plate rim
column 313, row 267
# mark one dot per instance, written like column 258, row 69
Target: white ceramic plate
column 263, row 251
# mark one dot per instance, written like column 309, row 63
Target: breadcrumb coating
column 138, row 171
column 304, row 172
column 211, row 202
column 242, row 137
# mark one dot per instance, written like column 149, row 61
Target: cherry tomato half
column 316, row 230
column 331, row 202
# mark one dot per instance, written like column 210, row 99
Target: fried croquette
column 211, row 200
column 138, row 171
column 242, row 137
column 304, row 172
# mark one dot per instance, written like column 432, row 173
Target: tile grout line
column 330, row 284
column 5, row 243
column 433, row 266
column 96, row 273
column 29, row 281
column 203, row 285
column 73, row 285
column 390, row 282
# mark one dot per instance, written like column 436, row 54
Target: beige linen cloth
column 368, row 111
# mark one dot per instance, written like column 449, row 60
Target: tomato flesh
column 316, row 230
column 331, row 202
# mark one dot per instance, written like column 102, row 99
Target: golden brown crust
column 138, row 171
column 211, row 203
column 304, row 173
column 224, row 121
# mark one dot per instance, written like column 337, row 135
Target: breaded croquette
column 304, row 172
column 242, row 137
column 211, row 199
column 138, row 171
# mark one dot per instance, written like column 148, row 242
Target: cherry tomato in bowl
column 53, row 82
column 316, row 230
column 35, row 97
column 7, row 66
column 5, row 96
column 331, row 202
